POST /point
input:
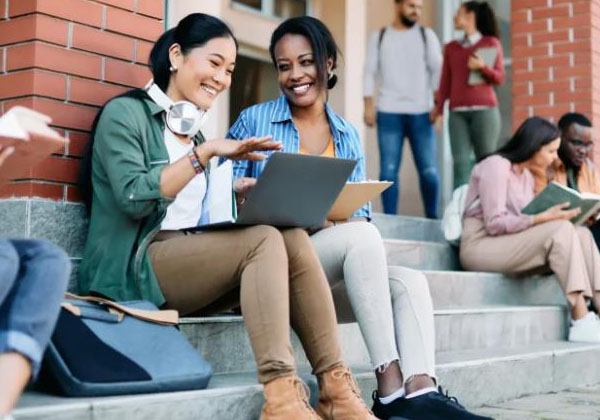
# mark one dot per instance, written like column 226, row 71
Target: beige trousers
column 569, row 251
column 275, row 276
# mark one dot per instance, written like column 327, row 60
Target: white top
column 185, row 211
column 405, row 82
column 472, row 39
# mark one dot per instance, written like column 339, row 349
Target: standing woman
column 148, row 182
column 386, row 305
column 474, row 120
column 498, row 237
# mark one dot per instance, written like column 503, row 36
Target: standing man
column 404, row 60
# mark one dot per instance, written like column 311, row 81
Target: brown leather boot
column 287, row 398
column 339, row 396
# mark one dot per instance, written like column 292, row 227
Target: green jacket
column 129, row 154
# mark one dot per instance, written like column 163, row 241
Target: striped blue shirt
column 275, row 118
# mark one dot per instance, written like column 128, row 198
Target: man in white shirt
column 404, row 60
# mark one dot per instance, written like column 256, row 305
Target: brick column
column 556, row 59
column 65, row 58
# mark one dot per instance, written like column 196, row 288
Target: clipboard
column 354, row 195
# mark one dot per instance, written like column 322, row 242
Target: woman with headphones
column 148, row 176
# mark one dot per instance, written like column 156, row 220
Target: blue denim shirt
column 275, row 118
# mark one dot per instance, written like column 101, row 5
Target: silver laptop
column 293, row 191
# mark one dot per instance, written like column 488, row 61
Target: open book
column 28, row 132
column 354, row 195
column 556, row 193
column 489, row 56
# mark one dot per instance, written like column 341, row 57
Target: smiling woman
column 149, row 182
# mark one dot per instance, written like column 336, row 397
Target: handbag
column 100, row 348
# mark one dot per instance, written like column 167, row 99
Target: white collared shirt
column 470, row 40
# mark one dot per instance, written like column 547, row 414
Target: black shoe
column 430, row 406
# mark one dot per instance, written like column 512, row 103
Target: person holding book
column 33, row 279
column 385, row 304
column 147, row 171
column 472, row 67
column 498, row 236
column 574, row 167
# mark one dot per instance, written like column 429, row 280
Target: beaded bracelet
column 195, row 162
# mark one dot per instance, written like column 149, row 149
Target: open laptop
column 293, row 191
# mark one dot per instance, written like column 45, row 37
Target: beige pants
column 569, row 251
column 275, row 276
column 393, row 308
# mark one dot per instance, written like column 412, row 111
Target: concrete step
column 421, row 255
column 224, row 341
column 451, row 289
column 407, row 227
column 476, row 378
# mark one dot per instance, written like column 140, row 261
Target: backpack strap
column 381, row 33
column 165, row 317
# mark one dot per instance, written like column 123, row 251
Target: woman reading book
column 148, row 177
column 472, row 67
column 497, row 236
column 386, row 305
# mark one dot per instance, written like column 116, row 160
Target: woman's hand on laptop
column 241, row 187
column 5, row 152
column 248, row 149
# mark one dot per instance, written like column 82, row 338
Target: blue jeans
column 391, row 131
column 33, row 280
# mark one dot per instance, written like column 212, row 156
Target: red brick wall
column 65, row 58
column 556, row 59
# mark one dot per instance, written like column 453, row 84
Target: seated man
column 33, row 279
column 574, row 168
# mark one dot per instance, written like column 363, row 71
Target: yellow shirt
column 329, row 151
column 587, row 178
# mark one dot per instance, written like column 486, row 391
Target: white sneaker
column 586, row 329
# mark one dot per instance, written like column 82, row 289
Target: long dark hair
column 485, row 18
column 191, row 32
column 534, row 133
column 321, row 41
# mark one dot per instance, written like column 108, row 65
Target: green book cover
column 556, row 193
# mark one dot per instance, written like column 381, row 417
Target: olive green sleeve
column 119, row 149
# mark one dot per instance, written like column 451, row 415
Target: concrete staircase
column 497, row 338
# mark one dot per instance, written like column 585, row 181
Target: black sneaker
column 430, row 406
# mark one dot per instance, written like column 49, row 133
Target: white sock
column 392, row 397
column 422, row 392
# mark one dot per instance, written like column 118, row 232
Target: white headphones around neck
column 183, row 117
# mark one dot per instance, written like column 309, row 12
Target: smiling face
column 297, row 71
column 464, row 19
column 577, row 144
column 203, row 73
column 547, row 154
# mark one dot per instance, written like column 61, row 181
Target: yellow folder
column 354, row 195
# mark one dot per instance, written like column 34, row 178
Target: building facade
column 67, row 57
